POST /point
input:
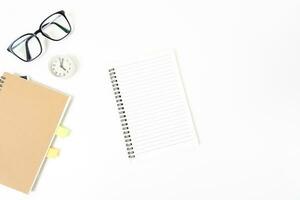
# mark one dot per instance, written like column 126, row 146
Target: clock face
column 62, row 66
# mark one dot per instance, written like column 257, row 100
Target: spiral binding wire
column 2, row 79
column 122, row 113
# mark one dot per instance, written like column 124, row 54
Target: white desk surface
column 240, row 63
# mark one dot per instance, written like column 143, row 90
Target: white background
column 240, row 63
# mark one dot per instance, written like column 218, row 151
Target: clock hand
column 63, row 68
column 61, row 64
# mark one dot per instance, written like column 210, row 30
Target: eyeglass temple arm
column 60, row 26
column 28, row 55
column 15, row 46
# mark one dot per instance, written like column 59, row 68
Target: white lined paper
column 154, row 102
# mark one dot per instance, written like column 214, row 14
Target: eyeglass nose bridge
column 37, row 32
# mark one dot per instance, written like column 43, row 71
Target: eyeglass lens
column 56, row 27
column 27, row 47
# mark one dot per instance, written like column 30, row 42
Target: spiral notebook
column 30, row 114
column 151, row 103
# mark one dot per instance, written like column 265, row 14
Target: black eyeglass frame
column 40, row 30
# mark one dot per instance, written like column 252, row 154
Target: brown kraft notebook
column 29, row 115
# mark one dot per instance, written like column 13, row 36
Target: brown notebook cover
column 29, row 115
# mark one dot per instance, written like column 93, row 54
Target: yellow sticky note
column 53, row 153
column 62, row 132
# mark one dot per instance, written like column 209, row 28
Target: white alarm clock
column 62, row 66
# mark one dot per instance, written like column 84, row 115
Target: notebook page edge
column 187, row 102
column 51, row 142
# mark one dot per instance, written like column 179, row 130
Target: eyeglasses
column 28, row 47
